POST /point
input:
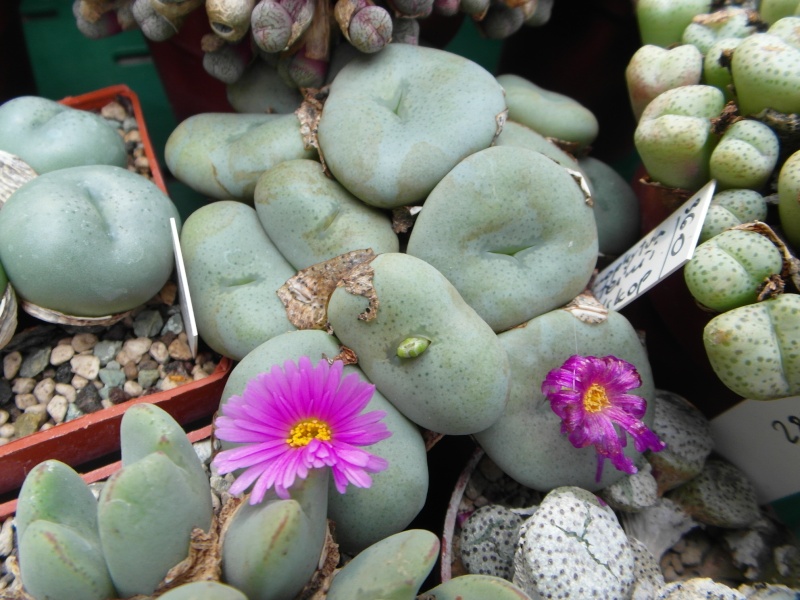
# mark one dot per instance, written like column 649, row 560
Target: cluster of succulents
column 297, row 40
column 716, row 91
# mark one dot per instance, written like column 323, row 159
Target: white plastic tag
column 659, row 254
column 185, row 298
column 762, row 438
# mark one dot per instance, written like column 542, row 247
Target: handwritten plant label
column 187, row 311
column 659, row 254
column 762, row 438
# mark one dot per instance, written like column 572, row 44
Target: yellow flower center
column 307, row 430
column 595, row 399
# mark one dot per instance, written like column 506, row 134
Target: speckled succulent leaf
column 716, row 70
column 662, row 22
column 53, row 491
column 745, row 156
column 271, row 550
column 789, row 198
column 573, row 545
column 261, row 90
column 58, row 563
column 360, row 513
column 312, row 218
column 725, row 23
column 646, row 572
column 653, row 70
column 773, row 10
column 755, row 349
column 475, row 587
column 391, row 569
column 729, row 208
column 674, row 136
column 512, row 231
column 221, row 155
column 786, row 28
column 634, row 492
column 687, row 433
column 459, row 384
column 766, row 74
column 203, row 590
column 147, row 428
column 145, row 518
column 234, row 298
column 658, row 527
column 728, row 270
column 488, row 539
column 522, row 136
column 721, row 495
column 549, row 113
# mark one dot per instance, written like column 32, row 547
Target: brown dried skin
column 230, row 19
column 306, row 295
column 14, row 173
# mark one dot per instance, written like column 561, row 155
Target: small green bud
column 412, row 347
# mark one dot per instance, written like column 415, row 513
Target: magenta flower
column 299, row 418
column 590, row 395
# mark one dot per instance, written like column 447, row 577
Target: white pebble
column 159, row 352
column 66, row 390
column 85, row 365
column 7, row 538
column 23, row 385
column 4, row 417
column 57, row 408
column 23, row 401
column 132, row 388
column 83, row 342
column 79, row 382
column 106, row 403
column 7, row 430
column 198, row 373
column 61, row 354
column 44, row 390
column 11, row 364
column 46, row 426
column 123, row 358
column 136, row 348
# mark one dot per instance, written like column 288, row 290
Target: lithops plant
column 729, row 208
column 459, row 384
column 573, row 545
column 634, row 492
column 49, row 136
column 753, row 349
column 233, row 270
column 658, row 527
column 699, row 587
column 222, row 155
column 662, row 22
column 721, row 495
column 730, row 269
column 674, row 135
column 646, row 572
column 360, row 514
column 549, row 113
column 106, row 229
column 397, row 121
column 125, row 543
column 312, row 218
column 475, row 587
column 687, row 433
column 203, row 590
column 653, row 70
column 789, row 198
column 745, row 156
column 511, row 253
column 726, row 23
column 766, row 72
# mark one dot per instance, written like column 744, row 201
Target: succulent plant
column 730, row 269
column 488, row 540
column 745, row 156
column 662, row 22
column 125, row 543
column 788, row 193
column 753, row 348
column 729, row 208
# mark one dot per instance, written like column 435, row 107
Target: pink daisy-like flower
column 590, row 395
column 299, row 418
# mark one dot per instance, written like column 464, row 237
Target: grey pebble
column 35, row 363
column 106, row 350
column 112, row 377
column 147, row 377
column 173, row 325
column 147, row 323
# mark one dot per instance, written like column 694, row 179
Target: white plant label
column 657, row 255
column 187, row 311
column 762, row 438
